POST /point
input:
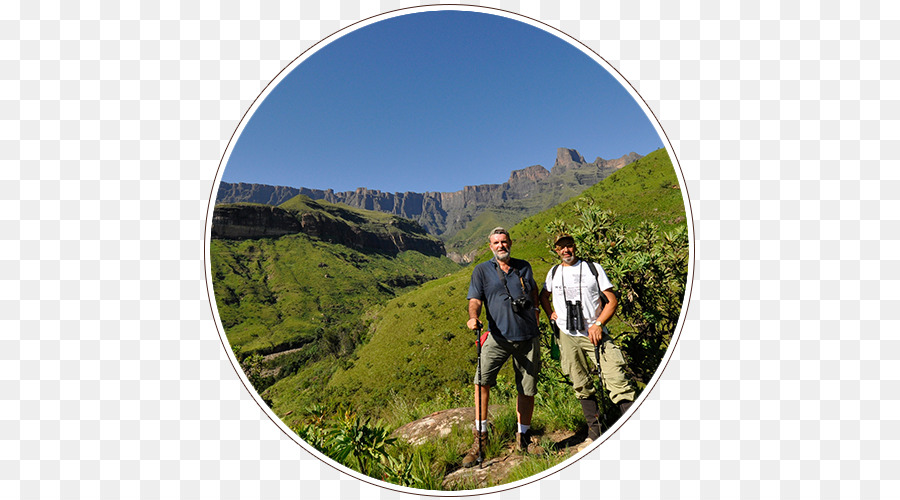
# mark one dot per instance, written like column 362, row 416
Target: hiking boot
column 592, row 416
column 524, row 444
column 476, row 454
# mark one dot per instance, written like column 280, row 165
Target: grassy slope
column 420, row 344
column 272, row 292
column 309, row 296
column 367, row 220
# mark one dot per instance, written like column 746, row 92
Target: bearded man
column 583, row 302
column 505, row 287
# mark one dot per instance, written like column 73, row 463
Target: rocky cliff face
column 443, row 213
column 245, row 221
column 565, row 159
column 254, row 193
column 568, row 159
column 532, row 174
column 238, row 222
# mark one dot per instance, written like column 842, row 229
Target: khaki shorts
column 526, row 357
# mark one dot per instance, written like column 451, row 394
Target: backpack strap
column 552, row 275
column 593, row 269
column 603, row 299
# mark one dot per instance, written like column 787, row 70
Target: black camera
column 521, row 305
column 574, row 319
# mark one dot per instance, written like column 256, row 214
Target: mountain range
column 444, row 214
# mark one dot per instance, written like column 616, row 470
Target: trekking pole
column 479, row 430
column 605, row 335
column 600, row 377
column 601, row 347
column 598, row 350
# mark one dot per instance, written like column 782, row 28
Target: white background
column 784, row 119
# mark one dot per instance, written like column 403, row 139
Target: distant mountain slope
column 243, row 192
column 360, row 229
column 420, row 346
column 297, row 280
column 528, row 191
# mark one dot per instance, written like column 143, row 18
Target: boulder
column 439, row 424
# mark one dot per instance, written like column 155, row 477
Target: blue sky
column 436, row 101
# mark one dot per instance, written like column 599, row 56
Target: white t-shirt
column 580, row 284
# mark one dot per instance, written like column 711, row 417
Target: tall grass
column 534, row 465
column 401, row 410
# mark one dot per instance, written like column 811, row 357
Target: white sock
column 481, row 425
column 523, row 429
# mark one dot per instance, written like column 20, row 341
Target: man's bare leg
column 524, row 409
column 483, row 403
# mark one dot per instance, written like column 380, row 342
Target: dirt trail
column 492, row 471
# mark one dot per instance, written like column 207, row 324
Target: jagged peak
column 566, row 157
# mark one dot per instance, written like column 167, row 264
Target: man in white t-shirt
column 578, row 293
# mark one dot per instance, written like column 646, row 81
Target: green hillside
column 419, row 345
column 286, row 302
column 365, row 220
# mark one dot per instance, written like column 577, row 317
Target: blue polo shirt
column 487, row 287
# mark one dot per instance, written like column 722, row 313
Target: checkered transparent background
column 783, row 116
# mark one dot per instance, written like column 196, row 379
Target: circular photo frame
column 354, row 231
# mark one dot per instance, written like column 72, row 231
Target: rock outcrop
column 251, row 221
column 532, row 174
column 569, row 159
column 566, row 159
column 438, row 425
column 238, row 222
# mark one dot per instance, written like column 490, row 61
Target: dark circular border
column 685, row 304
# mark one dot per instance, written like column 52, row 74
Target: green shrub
column 357, row 443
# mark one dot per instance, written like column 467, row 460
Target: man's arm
column 610, row 309
column 595, row 331
column 474, row 313
column 545, row 304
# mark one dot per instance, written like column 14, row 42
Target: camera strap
column 503, row 280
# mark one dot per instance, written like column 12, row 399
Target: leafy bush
column 357, row 442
